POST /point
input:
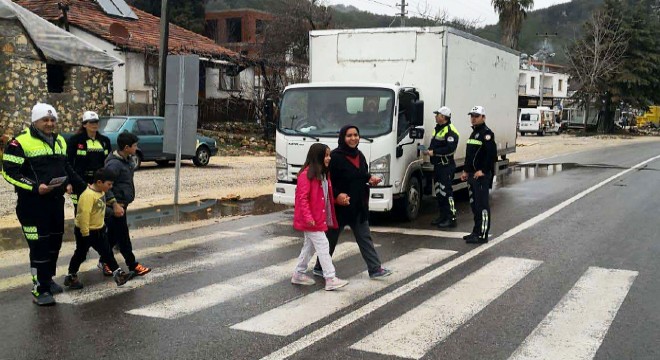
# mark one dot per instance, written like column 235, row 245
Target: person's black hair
column 126, row 139
column 104, row 175
column 315, row 162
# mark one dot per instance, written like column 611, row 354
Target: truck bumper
column 380, row 198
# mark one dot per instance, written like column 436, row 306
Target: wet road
column 571, row 272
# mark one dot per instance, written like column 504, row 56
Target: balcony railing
column 522, row 89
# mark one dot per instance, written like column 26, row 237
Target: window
column 227, row 82
column 561, row 83
column 145, row 127
column 150, row 70
column 532, row 83
column 260, row 25
column 211, row 29
column 234, row 31
column 405, row 103
column 58, row 77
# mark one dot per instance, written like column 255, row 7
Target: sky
column 480, row 10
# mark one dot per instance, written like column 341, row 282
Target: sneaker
column 43, row 299
column 381, row 273
column 447, row 224
column 121, row 277
column 141, row 270
column 72, row 282
column 302, row 279
column 317, row 272
column 55, row 288
column 334, row 283
column 105, row 269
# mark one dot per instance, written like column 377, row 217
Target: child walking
column 90, row 230
column 314, row 213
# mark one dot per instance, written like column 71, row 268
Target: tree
column 188, row 14
column 595, row 58
column 512, row 13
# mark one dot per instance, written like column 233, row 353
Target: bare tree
column 442, row 17
column 596, row 57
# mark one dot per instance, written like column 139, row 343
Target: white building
column 531, row 82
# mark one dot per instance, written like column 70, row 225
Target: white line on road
column 576, row 327
column 107, row 289
column 406, row 231
column 208, row 296
column 297, row 314
column 414, row 333
column 367, row 309
column 24, row 279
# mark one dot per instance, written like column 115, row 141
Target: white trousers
column 316, row 241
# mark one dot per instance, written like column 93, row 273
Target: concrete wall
column 213, row 85
column 24, row 82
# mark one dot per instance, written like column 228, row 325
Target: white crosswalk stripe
column 420, row 329
column 297, row 314
column 575, row 328
column 24, row 279
column 220, row 292
column 107, row 289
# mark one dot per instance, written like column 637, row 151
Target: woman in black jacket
column 351, row 180
column 87, row 149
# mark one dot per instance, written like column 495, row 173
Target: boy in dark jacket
column 121, row 195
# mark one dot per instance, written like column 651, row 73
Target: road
column 571, row 272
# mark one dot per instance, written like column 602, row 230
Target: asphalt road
column 571, row 272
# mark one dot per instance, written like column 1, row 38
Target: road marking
column 208, row 296
column 297, row 314
column 107, row 289
column 367, row 309
column 24, row 279
column 406, row 231
column 576, row 327
column 416, row 332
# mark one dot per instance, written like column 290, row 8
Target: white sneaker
column 302, row 279
column 334, row 283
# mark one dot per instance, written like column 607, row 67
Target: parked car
column 149, row 130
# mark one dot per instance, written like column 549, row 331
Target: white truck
column 388, row 82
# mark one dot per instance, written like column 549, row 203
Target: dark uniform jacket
column 123, row 189
column 86, row 155
column 29, row 160
column 348, row 179
column 443, row 144
column 481, row 152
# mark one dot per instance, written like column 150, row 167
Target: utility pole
column 545, row 54
column 403, row 12
column 162, row 57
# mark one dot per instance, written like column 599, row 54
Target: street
column 571, row 271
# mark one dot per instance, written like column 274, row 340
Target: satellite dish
column 119, row 33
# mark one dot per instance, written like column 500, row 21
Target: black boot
column 447, row 224
column 438, row 220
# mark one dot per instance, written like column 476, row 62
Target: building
column 531, row 82
column 40, row 62
column 133, row 36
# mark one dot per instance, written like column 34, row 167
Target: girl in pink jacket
column 314, row 213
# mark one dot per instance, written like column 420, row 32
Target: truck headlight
column 380, row 168
column 281, row 167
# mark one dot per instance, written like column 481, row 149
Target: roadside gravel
column 251, row 176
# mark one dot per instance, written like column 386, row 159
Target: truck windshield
column 323, row 111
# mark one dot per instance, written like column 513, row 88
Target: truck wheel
column 409, row 205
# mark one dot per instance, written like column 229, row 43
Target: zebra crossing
column 574, row 329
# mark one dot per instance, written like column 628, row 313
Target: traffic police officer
column 35, row 163
column 481, row 153
column 441, row 150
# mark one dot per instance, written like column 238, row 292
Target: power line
column 382, row 4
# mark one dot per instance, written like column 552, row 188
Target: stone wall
column 23, row 82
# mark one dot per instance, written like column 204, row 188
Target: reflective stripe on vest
column 34, row 147
column 441, row 134
column 474, row 142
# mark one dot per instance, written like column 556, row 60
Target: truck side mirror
column 416, row 133
column 417, row 113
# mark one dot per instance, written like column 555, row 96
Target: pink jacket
column 310, row 204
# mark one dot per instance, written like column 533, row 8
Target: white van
column 539, row 120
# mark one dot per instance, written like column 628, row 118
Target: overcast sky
column 481, row 10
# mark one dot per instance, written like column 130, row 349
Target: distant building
column 553, row 83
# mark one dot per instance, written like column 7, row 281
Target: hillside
column 564, row 19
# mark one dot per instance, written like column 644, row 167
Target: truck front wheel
column 409, row 205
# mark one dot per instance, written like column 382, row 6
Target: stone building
column 31, row 71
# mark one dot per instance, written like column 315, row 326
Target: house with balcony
column 532, row 81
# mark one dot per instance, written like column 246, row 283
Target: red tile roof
column 145, row 32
